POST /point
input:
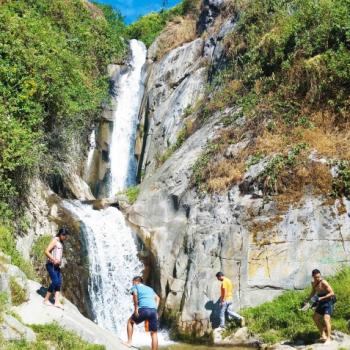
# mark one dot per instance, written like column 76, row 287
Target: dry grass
column 179, row 31
column 93, row 9
column 223, row 175
column 263, row 232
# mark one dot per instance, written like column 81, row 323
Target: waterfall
column 109, row 241
column 113, row 262
column 129, row 96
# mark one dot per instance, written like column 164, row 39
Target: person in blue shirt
column 146, row 303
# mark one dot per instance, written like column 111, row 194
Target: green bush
column 63, row 339
column 281, row 319
column 18, row 294
column 38, row 249
column 8, row 246
column 148, row 27
column 53, row 79
column 279, row 55
column 341, row 182
column 132, row 193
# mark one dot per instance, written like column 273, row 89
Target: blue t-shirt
column 145, row 296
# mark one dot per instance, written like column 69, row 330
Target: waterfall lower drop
column 109, row 241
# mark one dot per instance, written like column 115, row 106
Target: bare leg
column 318, row 321
column 57, row 301
column 327, row 321
column 154, row 336
column 130, row 330
column 47, row 299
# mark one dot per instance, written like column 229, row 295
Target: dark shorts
column 325, row 308
column 149, row 315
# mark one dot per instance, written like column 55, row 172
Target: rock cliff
column 262, row 249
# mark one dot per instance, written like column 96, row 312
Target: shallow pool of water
column 197, row 347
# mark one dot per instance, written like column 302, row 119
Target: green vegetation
column 148, row 27
column 3, row 304
column 53, row 59
column 279, row 164
column 132, row 193
column 290, row 74
column 200, row 166
column 51, row 336
column 62, row 338
column 182, row 135
column 341, row 183
column 38, row 249
column 8, row 246
column 18, row 294
column 280, row 319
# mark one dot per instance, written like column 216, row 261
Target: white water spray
column 113, row 261
column 129, row 96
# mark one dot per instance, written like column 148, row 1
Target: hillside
column 237, row 147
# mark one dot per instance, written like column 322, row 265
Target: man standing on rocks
column 146, row 303
column 324, row 296
column 226, row 300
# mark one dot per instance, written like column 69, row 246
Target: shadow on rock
column 215, row 312
column 42, row 291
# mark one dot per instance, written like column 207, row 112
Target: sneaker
column 242, row 322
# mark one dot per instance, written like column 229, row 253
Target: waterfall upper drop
column 129, row 96
column 109, row 241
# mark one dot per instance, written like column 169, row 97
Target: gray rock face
column 211, row 9
column 193, row 235
column 39, row 209
column 174, row 84
column 11, row 329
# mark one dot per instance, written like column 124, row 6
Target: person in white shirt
column 54, row 253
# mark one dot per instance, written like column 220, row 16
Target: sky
column 133, row 9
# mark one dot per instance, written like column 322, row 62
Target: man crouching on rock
column 322, row 293
column 146, row 303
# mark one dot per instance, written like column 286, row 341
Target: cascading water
column 113, row 261
column 130, row 92
column 109, row 241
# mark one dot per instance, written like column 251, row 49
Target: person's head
column 316, row 275
column 137, row 280
column 62, row 233
column 220, row 276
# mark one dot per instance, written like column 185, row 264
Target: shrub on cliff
column 53, row 59
column 287, row 66
column 148, row 27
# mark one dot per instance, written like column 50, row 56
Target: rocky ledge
column 34, row 312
